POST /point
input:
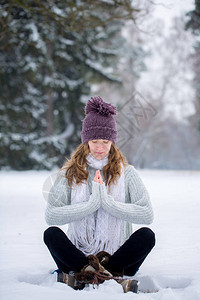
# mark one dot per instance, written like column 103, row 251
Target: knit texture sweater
column 137, row 208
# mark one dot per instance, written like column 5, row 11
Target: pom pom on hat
column 99, row 106
column 99, row 122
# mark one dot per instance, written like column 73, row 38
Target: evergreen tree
column 48, row 58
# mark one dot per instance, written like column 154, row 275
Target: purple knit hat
column 99, row 122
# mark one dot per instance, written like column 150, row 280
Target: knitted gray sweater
column 136, row 209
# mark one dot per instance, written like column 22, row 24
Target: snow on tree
column 50, row 54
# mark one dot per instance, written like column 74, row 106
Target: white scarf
column 98, row 231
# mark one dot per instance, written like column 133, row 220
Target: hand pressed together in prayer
column 98, row 177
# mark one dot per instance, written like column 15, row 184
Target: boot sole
column 133, row 286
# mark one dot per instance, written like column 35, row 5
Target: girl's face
column 99, row 148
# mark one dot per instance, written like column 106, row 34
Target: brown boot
column 129, row 285
column 70, row 280
column 103, row 257
column 94, row 272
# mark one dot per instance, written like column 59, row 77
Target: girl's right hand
column 98, row 177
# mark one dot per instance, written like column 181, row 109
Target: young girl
column 99, row 195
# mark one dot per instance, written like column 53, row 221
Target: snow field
column 172, row 268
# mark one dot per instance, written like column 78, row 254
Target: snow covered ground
column 173, row 266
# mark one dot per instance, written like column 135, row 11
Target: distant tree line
column 193, row 24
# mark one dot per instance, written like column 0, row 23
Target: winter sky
column 168, row 9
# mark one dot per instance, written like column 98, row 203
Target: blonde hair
column 76, row 166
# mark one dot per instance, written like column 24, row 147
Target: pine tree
column 50, row 53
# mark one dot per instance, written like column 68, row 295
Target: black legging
column 127, row 258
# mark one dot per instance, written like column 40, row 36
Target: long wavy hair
column 76, row 166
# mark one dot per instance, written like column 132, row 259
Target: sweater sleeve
column 60, row 211
column 137, row 208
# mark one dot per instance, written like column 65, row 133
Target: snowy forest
column 54, row 55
